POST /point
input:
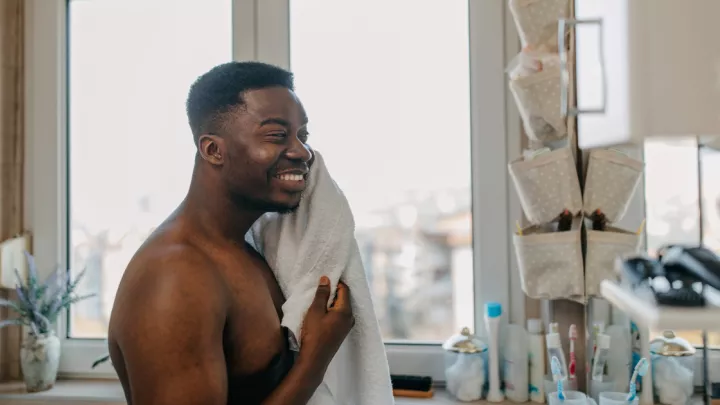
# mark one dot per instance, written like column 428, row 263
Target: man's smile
column 292, row 180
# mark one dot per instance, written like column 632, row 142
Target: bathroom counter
column 109, row 392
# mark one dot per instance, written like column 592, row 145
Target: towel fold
column 319, row 239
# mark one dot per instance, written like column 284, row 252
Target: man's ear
column 212, row 149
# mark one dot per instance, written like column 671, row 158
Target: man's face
column 265, row 152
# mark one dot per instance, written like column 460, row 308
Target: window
column 418, row 101
column 131, row 152
column 674, row 201
column 387, row 96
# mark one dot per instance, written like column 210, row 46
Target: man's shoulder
column 167, row 289
column 168, row 280
column 171, row 255
column 171, row 266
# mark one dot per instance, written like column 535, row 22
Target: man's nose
column 299, row 151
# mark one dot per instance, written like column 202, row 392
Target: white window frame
column 261, row 32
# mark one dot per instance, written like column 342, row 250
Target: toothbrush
column 640, row 370
column 572, row 332
column 596, row 330
column 555, row 369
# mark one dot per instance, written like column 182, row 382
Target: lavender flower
column 40, row 303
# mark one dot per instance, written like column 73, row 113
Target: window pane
column 671, row 192
column 673, row 213
column 131, row 151
column 385, row 84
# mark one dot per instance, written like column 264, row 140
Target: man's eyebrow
column 279, row 121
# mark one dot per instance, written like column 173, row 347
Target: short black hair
column 220, row 90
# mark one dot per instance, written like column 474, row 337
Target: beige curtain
column 11, row 158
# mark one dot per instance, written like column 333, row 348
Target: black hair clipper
column 681, row 267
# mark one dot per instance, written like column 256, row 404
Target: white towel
column 318, row 239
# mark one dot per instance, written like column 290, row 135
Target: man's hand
column 324, row 329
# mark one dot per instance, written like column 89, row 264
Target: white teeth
column 290, row 177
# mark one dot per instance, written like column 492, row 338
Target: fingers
column 342, row 298
column 322, row 295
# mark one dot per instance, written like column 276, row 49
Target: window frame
column 261, row 32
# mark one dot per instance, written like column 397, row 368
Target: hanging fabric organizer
column 550, row 254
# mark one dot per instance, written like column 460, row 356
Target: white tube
column 537, row 361
column 554, row 349
column 601, row 355
column 516, row 363
column 493, row 310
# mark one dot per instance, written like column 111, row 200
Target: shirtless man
column 196, row 319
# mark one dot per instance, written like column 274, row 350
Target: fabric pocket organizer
column 538, row 99
column 550, row 262
column 537, row 20
column 612, row 178
column 603, row 249
column 547, row 185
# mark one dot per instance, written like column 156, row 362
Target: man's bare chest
column 252, row 334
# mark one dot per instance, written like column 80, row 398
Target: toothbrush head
column 555, row 366
column 557, row 373
column 642, row 367
column 572, row 332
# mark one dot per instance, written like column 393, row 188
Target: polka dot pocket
column 603, row 248
column 551, row 263
column 547, row 185
column 538, row 99
column 537, row 20
column 612, row 178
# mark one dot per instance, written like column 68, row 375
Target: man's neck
column 213, row 213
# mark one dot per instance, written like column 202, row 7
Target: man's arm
column 169, row 329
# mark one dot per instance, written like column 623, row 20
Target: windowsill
column 109, row 392
column 71, row 391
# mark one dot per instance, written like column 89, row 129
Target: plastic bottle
column 515, row 354
column 493, row 310
column 554, row 348
column 598, row 327
column 620, row 359
column 537, row 360
column 601, row 355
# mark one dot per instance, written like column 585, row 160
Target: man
column 197, row 315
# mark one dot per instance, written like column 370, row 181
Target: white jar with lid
column 673, row 367
column 465, row 366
